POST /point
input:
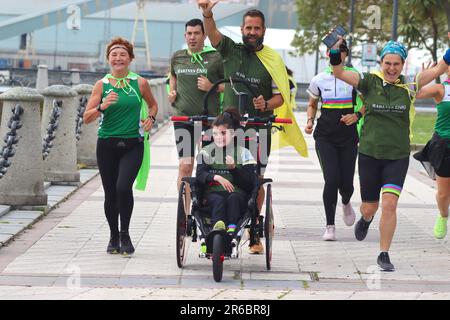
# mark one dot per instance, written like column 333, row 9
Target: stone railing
column 52, row 142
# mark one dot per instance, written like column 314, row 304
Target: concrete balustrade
column 87, row 144
column 42, row 77
column 61, row 163
column 23, row 184
column 75, row 77
column 158, row 87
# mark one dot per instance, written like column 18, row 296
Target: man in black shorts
column 192, row 72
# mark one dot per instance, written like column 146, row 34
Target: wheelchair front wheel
column 218, row 257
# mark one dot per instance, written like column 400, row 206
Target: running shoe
column 220, row 225
column 126, row 247
column 256, row 247
column 231, row 228
column 349, row 215
column 113, row 245
column 384, row 262
column 329, row 234
column 361, row 228
column 440, row 227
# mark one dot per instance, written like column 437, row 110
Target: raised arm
column 435, row 91
column 350, row 77
column 425, row 77
column 429, row 74
column 208, row 21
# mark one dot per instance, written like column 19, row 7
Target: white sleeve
column 247, row 157
column 313, row 89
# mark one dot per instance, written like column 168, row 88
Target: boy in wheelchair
column 226, row 172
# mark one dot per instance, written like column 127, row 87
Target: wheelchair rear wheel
column 181, row 226
column 269, row 227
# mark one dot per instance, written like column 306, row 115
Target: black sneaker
column 361, row 229
column 126, row 247
column 113, row 245
column 384, row 262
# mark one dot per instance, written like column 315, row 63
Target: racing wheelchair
column 194, row 223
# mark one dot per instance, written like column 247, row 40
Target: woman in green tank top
column 437, row 150
column 118, row 99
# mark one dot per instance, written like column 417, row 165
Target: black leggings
column 228, row 207
column 119, row 161
column 338, row 168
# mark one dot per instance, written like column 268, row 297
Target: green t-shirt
column 442, row 126
column 240, row 63
column 385, row 133
column 122, row 119
column 189, row 100
column 215, row 158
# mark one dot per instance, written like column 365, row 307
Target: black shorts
column 187, row 136
column 444, row 169
column 375, row 175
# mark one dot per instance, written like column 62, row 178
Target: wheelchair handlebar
column 213, row 89
column 250, row 120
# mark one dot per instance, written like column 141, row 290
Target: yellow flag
column 290, row 135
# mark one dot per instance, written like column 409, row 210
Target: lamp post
column 351, row 27
column 394, row 34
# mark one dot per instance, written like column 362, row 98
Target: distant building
column 83, row 47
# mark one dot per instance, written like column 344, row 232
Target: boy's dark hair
column 230, row 118
column 254, row 13
column 193, row 23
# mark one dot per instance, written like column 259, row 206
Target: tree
column 317, row 18
column 422, row 23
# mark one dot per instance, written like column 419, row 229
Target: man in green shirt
column 242, row 62
column 192, row 72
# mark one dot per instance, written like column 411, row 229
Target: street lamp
column 394, row 34
column 350, row 39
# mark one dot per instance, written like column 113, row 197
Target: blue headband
column 393, row 47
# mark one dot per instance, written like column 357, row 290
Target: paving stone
column 303, row 265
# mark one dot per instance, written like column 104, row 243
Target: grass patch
column 423, row 127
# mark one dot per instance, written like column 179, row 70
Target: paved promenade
column 63, row 255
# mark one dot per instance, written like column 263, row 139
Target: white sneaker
column 349, row 215
column 330, row 234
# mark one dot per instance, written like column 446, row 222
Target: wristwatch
column 99, row 108
column 358, row 114
column 152, row 118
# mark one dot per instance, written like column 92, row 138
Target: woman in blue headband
column 384, row 147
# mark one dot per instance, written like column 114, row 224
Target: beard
column 252, row 46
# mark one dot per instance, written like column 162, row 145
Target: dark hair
column 120, row 42
column 254, row 13
column 344, row 47
column 230, row 118
column 193, row 23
